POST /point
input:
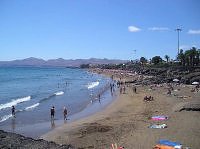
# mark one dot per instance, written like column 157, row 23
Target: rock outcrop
column 15, row 141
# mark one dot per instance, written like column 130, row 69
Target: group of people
column 195, row 89
column 148, row 98
column 52, row 111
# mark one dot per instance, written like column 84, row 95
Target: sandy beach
column 126, row 120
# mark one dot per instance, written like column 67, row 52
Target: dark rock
column 186, row 75
column 11, row 140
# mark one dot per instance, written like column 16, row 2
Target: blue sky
column 114, row 29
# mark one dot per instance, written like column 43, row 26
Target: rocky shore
column 15, row 141
column 155, row 75
column 166, row 75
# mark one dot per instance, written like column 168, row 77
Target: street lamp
column 178, row 30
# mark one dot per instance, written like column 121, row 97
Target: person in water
column 13, row 111
column 52, row 112
column 99, row 97
column 65, row 113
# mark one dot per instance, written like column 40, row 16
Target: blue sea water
column 33, row 91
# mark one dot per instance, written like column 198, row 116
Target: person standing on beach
column 52, row 112
column 124, row 89
column 65, row 113
column 13, row 111
column 120, row 90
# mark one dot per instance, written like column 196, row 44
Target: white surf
column 32, row 107
column 14, row 102
column 59, row 93
column 5, row 117
column 92, row 84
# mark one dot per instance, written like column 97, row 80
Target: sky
column 113, row 29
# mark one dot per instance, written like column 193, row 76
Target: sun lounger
column 159, row 118
column 176, row 145
column 157, row 126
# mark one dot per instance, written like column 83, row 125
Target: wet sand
column 126, row 120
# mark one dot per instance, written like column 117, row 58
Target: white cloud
column 133, row 29
column 191, row 31
column 185, row 47
column 159, row 29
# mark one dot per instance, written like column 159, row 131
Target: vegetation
column 156, row 60
column 167, row 58
column 189, row 57
column 143, row 60
column 186, row 60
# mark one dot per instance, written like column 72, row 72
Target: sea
column 34, row 90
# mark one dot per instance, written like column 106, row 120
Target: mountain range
column 60, row 62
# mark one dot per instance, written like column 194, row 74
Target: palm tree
column 181, row 57
column 197, row 59
column 191, row 56
column 167, row 58
column 156, row 60
column 143, row 60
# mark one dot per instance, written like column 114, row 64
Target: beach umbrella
column 175, row 80
column 195, row 83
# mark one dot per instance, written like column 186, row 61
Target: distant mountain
column 60, row 62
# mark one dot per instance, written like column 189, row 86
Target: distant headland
column 60, row 62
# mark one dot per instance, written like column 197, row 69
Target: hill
column 60, row 62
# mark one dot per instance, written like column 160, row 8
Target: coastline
column 44, row 124
column 126, row 120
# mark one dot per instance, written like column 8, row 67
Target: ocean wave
column 14, row 102
column 5, row 117
column 53, row 95
column 32, row 107
column 92, row 84
column 59, row 93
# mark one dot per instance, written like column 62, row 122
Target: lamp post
column 178, row 30
column 134, row 52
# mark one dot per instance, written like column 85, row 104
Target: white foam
column 59, row 93
column 5, row 117
column 92, row 84
column 32, row 107
column 14, row 102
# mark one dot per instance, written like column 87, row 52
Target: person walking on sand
column 135, row 89
column 52, row 112
column 13, row 111
column 65, row 113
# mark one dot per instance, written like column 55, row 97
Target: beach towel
column 114, row 146
column 159, row 118
column 158, row 126
column 163, row 147
column 176, row 145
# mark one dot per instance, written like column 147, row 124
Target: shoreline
column 126, row 121
column 46, row 126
